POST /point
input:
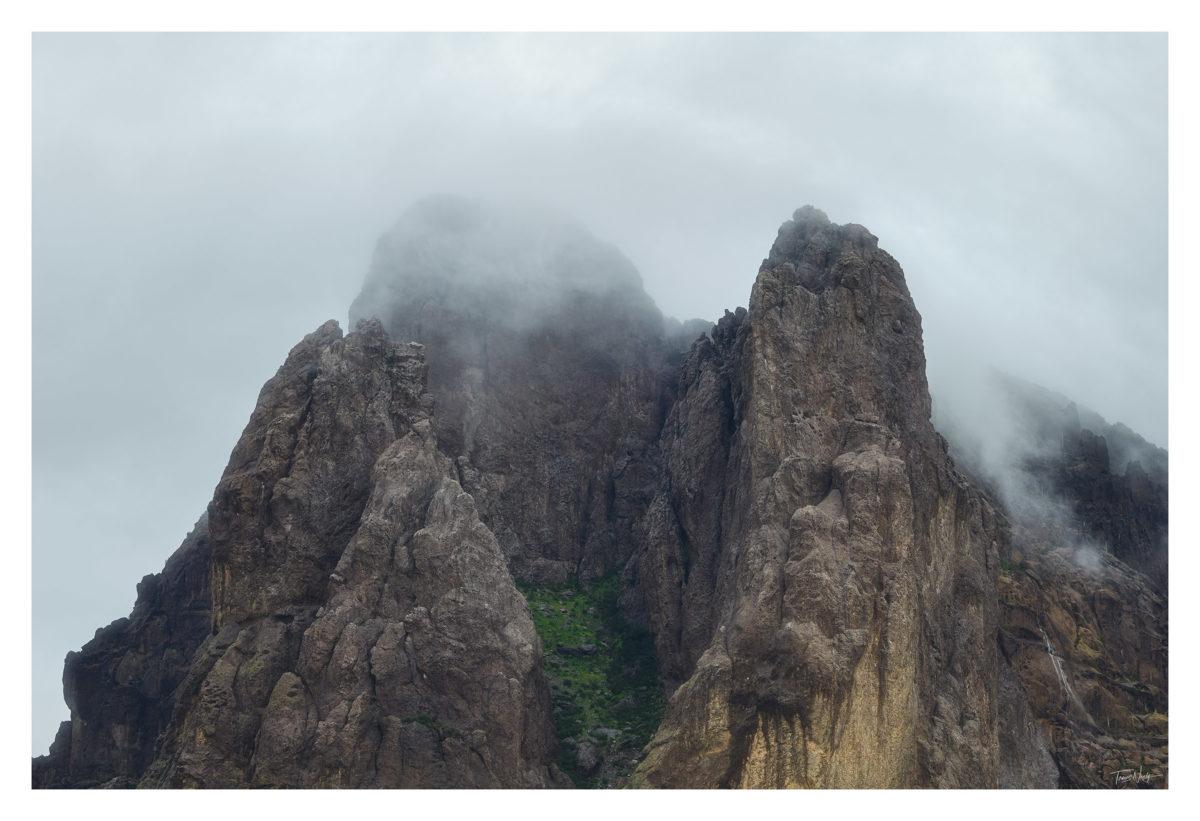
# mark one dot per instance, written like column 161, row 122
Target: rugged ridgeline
column 362, row 630
column 1066, row 475
column 1083, row 584
column 823, row 588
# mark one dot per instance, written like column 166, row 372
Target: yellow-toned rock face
column 847, row 572
column 1086, row 639
column 832, row 603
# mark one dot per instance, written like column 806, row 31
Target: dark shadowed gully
column 754, row 522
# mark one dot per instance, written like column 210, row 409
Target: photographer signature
column 1133, row 777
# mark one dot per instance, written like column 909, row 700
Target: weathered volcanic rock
column 1083, row 586
column 363, row 628
column 1124, row 513
column 120, row 687
column 1086, row 637
column 551, row 368
column 294, row 491
column 366, row 630
column 815, row 567
column 1066, row 476
column 1026, row 758
column 832, row 603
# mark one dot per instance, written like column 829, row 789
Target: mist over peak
column 771, row 513
column 512, row 262
column 998, row 421
column 1070, row 480
column 1021, row 178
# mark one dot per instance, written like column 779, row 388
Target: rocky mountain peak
column 766, row 526
column 799, row 566
column 549, row 365
column 808, row 246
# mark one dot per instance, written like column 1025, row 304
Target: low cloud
column 200, row 202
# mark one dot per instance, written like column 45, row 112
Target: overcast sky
column 202, row 202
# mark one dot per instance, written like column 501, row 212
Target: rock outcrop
column 551, row 368
column 815, row 569
column 364, row 628
column 831, row 602
column 1083, row 586
column 1086, row 637
column 1067, row 476
column 120, row 687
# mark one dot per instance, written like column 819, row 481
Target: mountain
column 1083, row 582
column 841, row 581
column 550, row 368
column 751, row 558
column 1064, row 472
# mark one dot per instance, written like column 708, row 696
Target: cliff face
column 119, row 686
column 838, row 581
column 350, row 572
column 364, row 628
column 832, row 603
column 1067, row 476
column 549, row 368
column 1083, row 585
column 1086, row 637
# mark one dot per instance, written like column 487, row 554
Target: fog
column 514, row 262
column 1005, row 431
column 200, row 202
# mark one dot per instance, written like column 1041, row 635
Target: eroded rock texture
column 833, row 603
column 364, row 628
column 1083, row 587
column 829, row 599
column 120, row 687
column 1067, row 477
column 1086, row 637
column 551, row 369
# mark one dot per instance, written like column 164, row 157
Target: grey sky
column 202, row 202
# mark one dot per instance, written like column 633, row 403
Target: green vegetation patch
column 155, row 776
column 603, row 679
